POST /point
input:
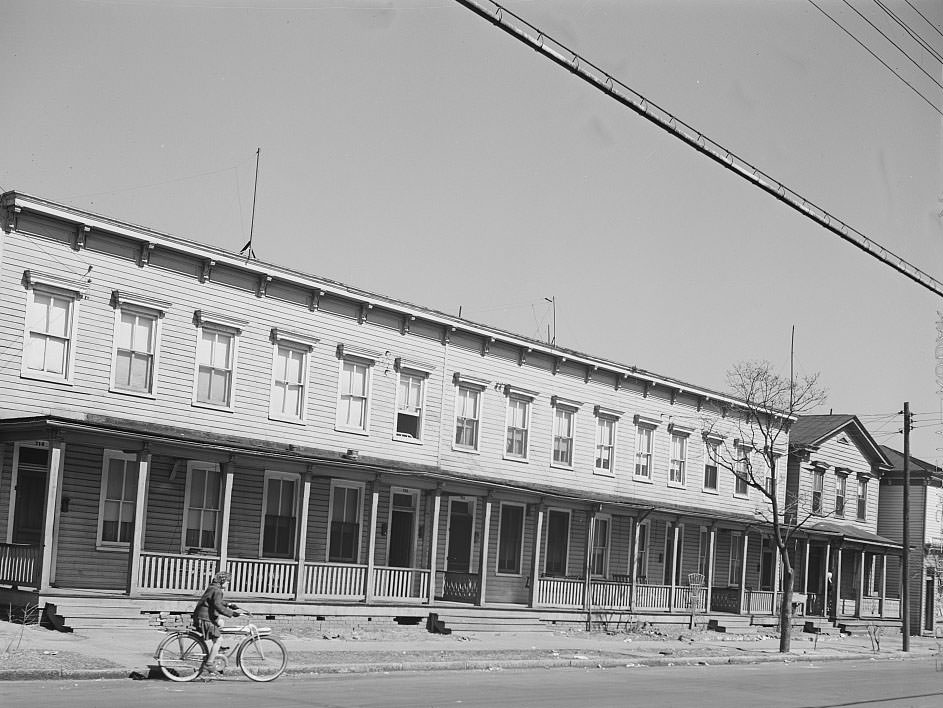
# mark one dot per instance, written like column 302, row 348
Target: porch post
column 434, row 543
column 777, row 576
column 860, row 599
column 836, row 581
column 535, row 562
column 300, row 570
column 826, row 588
column 674, row 566
column 372, row 541
column 711, row 552
column 805, row 570
column 47, row 567
column 883, row 582
column 483, row 553
column 743, row 573
column 137, row 534
column 633, row 571
column 588, row 558
column 228, row 475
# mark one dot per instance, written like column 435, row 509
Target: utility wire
column 913, row 35
column 884, row 63
column 924, row 17
column 602, row 80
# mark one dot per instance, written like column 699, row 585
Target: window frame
column 568, row 408
column 501, row 540
column 347, row 354
column 546, row 539
column 57, row 287
column 299, row 344
column 711, row 445
column 139, row 305
column 649, row 426
column 643, row 552
column 477, row 386
column 516, row 395
column 605, row 548
column 207, row 467
column 735, row 561
column 605, row 417
column 841, row 495
column 677, row 465
column 421, row 372
column 221, row 324
column 741, row 475
column 818, row 480
column 361, row 488
column 128, row 457
column 861, row 501
column 295, row 508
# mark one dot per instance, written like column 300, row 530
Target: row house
column 168, row 409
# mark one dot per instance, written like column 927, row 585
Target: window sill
column 642, row 480
column 676, row 485
column 49, row 378
column 741, row 496
column 134, row 394
column 561, row 466
column 352, row 431
column 285, row 419
column 212, row 406
column 468, row 450
column 505, row 574
column 604, row 473
column 409, row 440
column 118, row 548
column 511, row 458
column 708, row 490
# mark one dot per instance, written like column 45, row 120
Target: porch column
column 588, row 559
column 372, row 540
column 434, row 543
column 47, row 568
column 709, row 580
column 300, row 570
column 483, row 553
column 883, row 582
column 859, row 601
column 805, row 570
column 137, row 533
column 836, row 581
column 633, row 559
column 743, row 573
column 535, row 558
column 674, row 566
column 228, row 469
column 826, row 588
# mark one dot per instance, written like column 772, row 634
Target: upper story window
column 136, row 341
column 203, row 501
column 118, row 499
column 518, row 422
column 217, row 339
column 841, row 486
column 410, row 398
column 818, row 488
column 644, row 445
column 51, row 316
column 564, row 422
column 711, row 456
column 606, row 420
column 353, row 391
column 677, row 470
column 742, row 468
column 290, row 364
column 468, row 397
column 862, row 498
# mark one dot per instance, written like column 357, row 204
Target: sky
column 411, row 149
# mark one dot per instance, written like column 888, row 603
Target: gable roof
column 813, row 430
column 916, row 464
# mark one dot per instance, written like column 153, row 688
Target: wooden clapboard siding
column 164, row 517
column 502, row 587
column 933, row 515
column 78, row 562
column 245, row 519
column 318, row 520
column 6, row 480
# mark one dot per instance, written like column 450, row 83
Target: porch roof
column 145, row 434
column 851, row 533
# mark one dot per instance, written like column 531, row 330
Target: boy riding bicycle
column 209, row 612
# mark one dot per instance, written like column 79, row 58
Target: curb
column 471, row 665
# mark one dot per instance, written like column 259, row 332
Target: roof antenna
column 247, row 249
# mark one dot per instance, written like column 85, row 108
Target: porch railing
column 337, row 580
column 652, row 597
column 176, row 573
column 684, row 596
column 401, row 583
column 275, row 578
column 460, row 587
column 891, row 608
column 762, row 602
column 559, row 592
column 611, row 595
column 19, row 564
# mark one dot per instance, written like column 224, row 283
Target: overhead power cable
column 523, row 31
column 925, row 18
column 914, row 35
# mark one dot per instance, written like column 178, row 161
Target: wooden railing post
column 137, row 534
column 483, row 553
column 434, row 542
column 47, row 564
column 372, row 540
column 743, row 574
column 883, row 582
column 300, row 570
column 535, row 558
column 228, row 475
column 588, row 559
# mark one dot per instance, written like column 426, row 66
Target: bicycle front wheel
column 181, row 656
column 262, row 658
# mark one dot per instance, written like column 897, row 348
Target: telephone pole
column 905, row 559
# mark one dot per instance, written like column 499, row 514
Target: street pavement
column 34, row 653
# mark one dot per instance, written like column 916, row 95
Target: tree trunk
column 785, row 610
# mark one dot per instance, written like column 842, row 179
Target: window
column 679, row 453
column 563, row 437
column 279, row 522
column 558, row 541
column 643, row 451
column 703, row 552
column 518, row 420
column 217, row 336
column 710, row 466
column 510, row 538
column 467, row 412
column 669, row 552
column 48, row 349
column 862, row 498
column 345, row 514
column 818, row 485
column 642, row 543
column 599, row 561
column 735, row 569
column 409, row 405
column 742, row 470
column 201, row 521
column 118, row 498
column 352, row 410
column 290, row 375
column 605, row 443
column 841, row 485
column 136, row 338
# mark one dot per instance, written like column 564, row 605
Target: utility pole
column 905, row 559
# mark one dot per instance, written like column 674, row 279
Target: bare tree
column 771, row 403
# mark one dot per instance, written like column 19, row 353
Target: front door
column 30, row 494
column 816, row 579
column 461, row 516
column 767, row 569
column 929, row 610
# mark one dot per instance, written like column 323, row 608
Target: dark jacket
column 211, row 605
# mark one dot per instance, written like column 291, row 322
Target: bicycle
column 182, row 655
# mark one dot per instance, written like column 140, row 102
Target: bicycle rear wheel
column 262, row 658
column 181, row 656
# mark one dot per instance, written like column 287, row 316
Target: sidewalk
column 34, row 653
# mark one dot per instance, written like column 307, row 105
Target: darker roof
column 916, row 464
column 851, row 533
column 813, row 430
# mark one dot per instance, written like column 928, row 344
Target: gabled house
column 926, row 535
column 168, row 409
column 844, row 566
